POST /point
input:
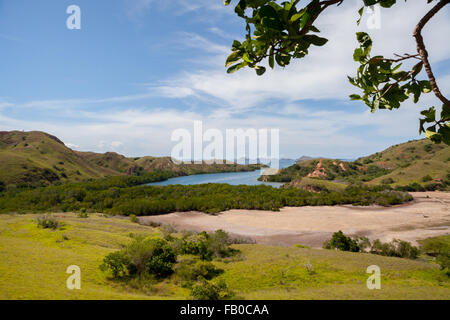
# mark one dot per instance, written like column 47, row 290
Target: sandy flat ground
column 428, row 215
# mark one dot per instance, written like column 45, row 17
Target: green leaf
column 260, row 70
column 315, row 40
column 232, row 58
column 236, row 67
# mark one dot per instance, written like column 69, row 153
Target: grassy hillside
column 412, row 162
column 416, row 161
column 38, row 158
column 33, row 265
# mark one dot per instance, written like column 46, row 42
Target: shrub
column 116, row 262
column 48, row 222
column 387, row 181
column 302, row 246
column 341, row 242
column 141, row 258
column 207, row 290
column 208, row 246
column 427, row 178
column 162, row 260
column 444, row 261
column 433, row 187
column 439, row 248
column 133, row 218
column 193, row 270
column 83, row 214
column 396, row 248
column 428, row 147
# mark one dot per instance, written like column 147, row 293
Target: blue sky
column 139, row 69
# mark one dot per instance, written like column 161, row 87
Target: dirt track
column 428, row 215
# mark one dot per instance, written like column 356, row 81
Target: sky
column 139, row 69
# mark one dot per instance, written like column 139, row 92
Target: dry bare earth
column 428, row 215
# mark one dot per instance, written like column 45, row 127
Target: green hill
column 417, row 161
column 37, row 158
column 414, row 161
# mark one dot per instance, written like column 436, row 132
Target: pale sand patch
column 428, row 215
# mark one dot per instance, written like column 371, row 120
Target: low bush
column 191, row 270
column 395, row 248
column 141, row 257
column 387, row 181
column 83, row 214
column 48, row 222
column 208, row 246
column 207, row 290
column 341, row 242
column 438, row 247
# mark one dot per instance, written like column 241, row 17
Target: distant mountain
column 302, row 158
column 40, row 158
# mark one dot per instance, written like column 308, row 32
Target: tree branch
column 424, row 53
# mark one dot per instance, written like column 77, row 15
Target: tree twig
column 424, row 53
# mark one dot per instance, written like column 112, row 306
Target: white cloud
column 179, row 7
column 321, row 75
column 243, row 100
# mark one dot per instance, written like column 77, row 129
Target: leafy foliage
column 208, row 246
column 438, row 247
column 395, row 248
column 142, row 257
column 341, row 242
column 280, row 32
column 48, row 222
column 208, row 290
column 119, row 195
column 192, row 270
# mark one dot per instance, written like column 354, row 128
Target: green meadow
column 33, row 263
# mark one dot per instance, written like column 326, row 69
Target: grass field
column 33, row 263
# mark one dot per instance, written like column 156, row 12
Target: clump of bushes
column 387, row 181
column 156, row 258
column 439, row 248
column 48, row 222
column 145, row 260
column 395, row 248
column 133, row 218
column 341, row 242
column 83, row 214
column 208, row 246
column 142, row 257
column 208, row 290
column 192, row 270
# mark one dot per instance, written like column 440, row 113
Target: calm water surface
column 232, row 178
